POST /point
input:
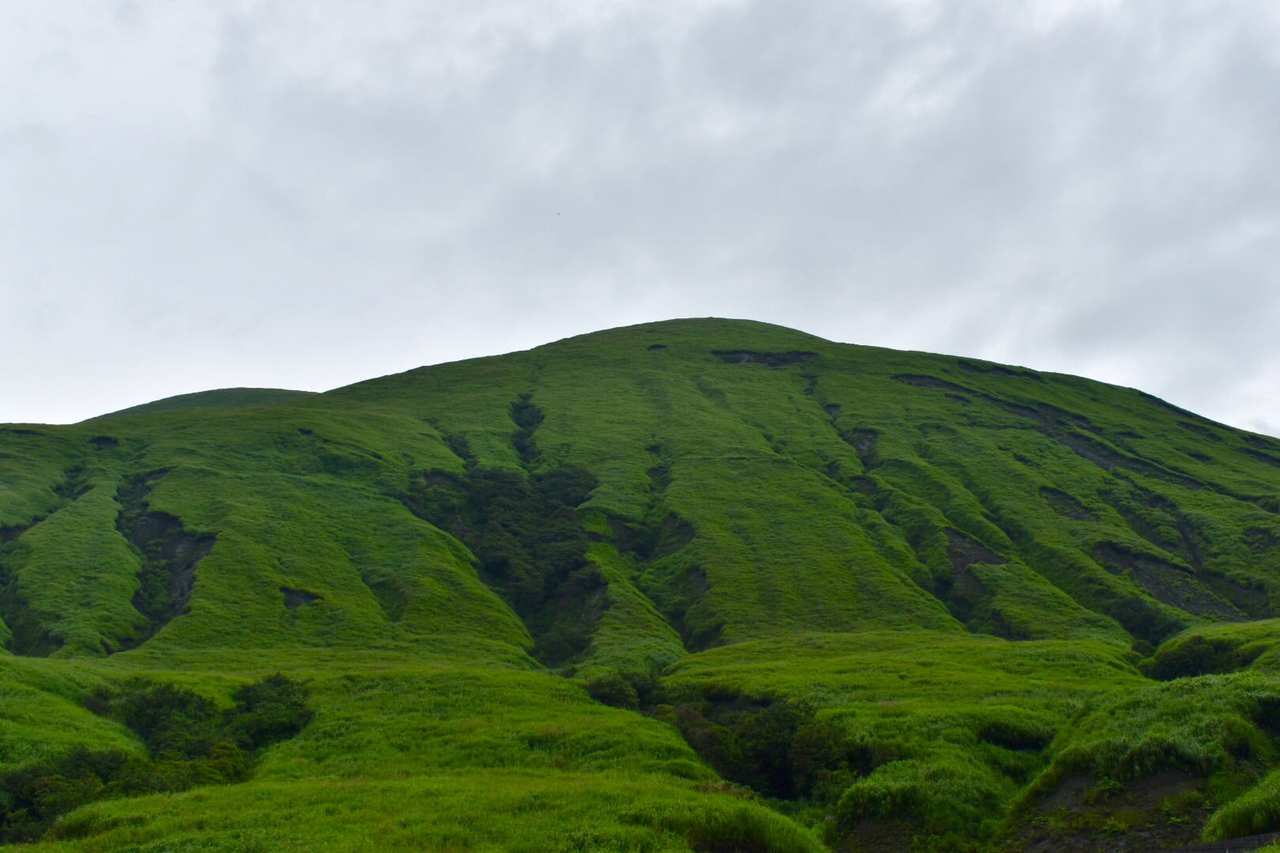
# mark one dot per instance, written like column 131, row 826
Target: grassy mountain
column 700, row 584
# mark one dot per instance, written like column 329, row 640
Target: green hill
column 221, row 398
column 700, row 584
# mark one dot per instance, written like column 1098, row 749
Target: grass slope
column 1015, row 604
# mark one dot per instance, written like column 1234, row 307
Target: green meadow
column 696, row 585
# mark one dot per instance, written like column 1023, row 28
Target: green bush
column 37, row 794
column 780, row 749
column 170, row 720
column 190, row 742
column 613, row 688
column 270, row 710
column 938, row 796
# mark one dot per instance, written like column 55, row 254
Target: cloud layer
column 309, row 194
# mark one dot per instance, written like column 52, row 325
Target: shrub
column 270, row 710
column 614, row 689
column 171, row 720
column 780, row 749
column 37, row 794
column 190, row 741
column 940, row 795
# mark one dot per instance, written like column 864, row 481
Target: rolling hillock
column 699, row 584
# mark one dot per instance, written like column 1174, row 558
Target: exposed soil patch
column 169, row 554
column 964, row 551
column 921, row 381
column 1163, row 811
column 1262, row 443
column 1063, row 426
column 295, row 598
column 1233, row 845
column 962, row 592
column 880, row 834
column 1262, row 539
column 1251, row 596
column 864, row 441
column 1262, row 456
column 1151, row 516
column 1201, row 430
column 529, row 545
column 768, row 359
column 1109, row 459
column 1066, row 505
column 1165, row 581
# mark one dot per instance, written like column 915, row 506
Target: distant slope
column 218, row 398
column 950, row 560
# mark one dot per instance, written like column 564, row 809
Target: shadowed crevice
column 169, row 553
column 529, row 547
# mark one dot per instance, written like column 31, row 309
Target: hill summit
column 698, row 584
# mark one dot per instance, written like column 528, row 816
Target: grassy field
column 701, row 584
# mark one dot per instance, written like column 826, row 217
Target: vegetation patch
column 28, row 635
column 780, row 749
column 189, row 741
column 527, row 418
column 1210, row 649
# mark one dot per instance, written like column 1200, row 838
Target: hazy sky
column 198, row 195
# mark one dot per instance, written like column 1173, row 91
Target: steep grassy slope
column 955, row 587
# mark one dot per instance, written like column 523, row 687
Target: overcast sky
column 302, row 195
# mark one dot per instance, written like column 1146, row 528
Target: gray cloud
column 305, row 195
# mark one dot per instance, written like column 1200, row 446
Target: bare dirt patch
column 1065, row 504
column 1165, row 581
column 768, row 359
column 295, row 598
column 169, row 553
